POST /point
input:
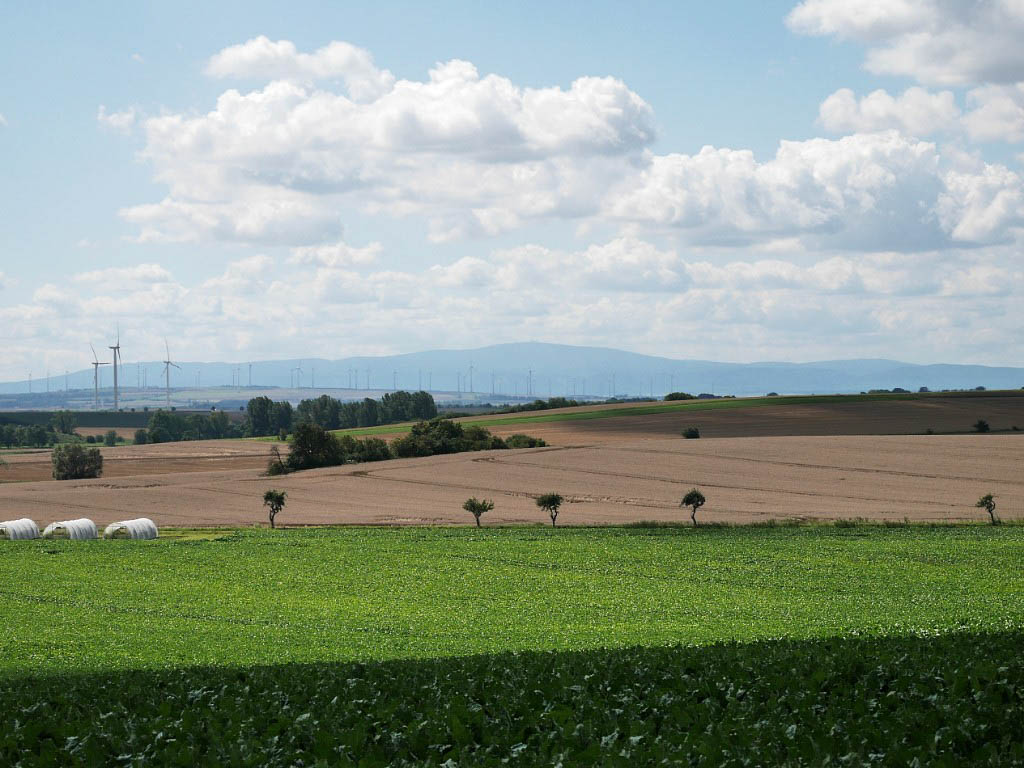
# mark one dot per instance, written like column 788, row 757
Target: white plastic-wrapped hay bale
column 140, row 528
column 22, row 528
column 83, row 528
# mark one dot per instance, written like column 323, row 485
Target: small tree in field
column 550, row 502
column 477, row 507
column 988, row 503
column 694, row 499
column 72, row 461
column 981, row 426
column 275, row 501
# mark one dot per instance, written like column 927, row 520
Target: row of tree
column 313, row 446
column 170, row 427
column 266, row 417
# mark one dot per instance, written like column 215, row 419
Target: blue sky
column 255, row 181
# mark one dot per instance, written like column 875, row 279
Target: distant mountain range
column 539, row 370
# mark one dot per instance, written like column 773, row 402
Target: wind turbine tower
column 167, row 372
column 116, row 349
column 96, row 378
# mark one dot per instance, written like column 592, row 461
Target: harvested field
column 878, row 417
column 923, row 478
column 162, row 458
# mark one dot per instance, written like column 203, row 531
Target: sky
column 729, row 181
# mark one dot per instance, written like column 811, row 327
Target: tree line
column 265, row 417
column 312, row 446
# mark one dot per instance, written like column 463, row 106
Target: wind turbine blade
column 94, row 353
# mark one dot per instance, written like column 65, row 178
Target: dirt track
column 745, row 479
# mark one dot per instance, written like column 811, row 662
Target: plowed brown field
column 925, row 477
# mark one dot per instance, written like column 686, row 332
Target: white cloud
column 997, row 114
column 125, row 276
column 339, row 254
column 662, row 299
column 877, row 191
column 477, row 155
column 264, row 59
column 948, row 42
column 3, row 120
column 137, row 57
column 916, row 112
column 122, row 121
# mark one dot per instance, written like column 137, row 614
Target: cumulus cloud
column 477, row 154
column 876, row 191
column 916, row 112
column 264, row 59
column 122, row 121
column 339, row 254
column 997, row 113
column 946, row 42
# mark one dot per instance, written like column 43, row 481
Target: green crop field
column 612, row 646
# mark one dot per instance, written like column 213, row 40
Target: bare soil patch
column 161, row 458
column 922, row 478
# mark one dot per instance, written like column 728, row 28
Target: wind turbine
column 167, row 372
column 116, row 349
column 96, row 378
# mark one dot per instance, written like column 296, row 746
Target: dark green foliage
column 542, row 405
column 520, row 440
column 988, row 503
column 274, row 500
column 141, row 437
column 694, row 499
column 64, row 422
column 394, row 407
column 550, row 503
column 439, row 436
column 691, row 433
column 73, row 461
column 91, row 439
column 276, row 465
column 477, row 507
column 110, row 438
column 981, row 426
column 950, row 700
column 323, row 411
column 170, row 426
column 371, row 449
column 312, row 446
column 265, row 417
column 679, row 396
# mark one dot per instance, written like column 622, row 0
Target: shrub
column 276, row 465
column 141, row 437
column 313, row 446
column 981, row 426
column 691, row 433
column 519, row 440
column 72, row 461
column 90, row 439
column 110, row 438
column 679, row 396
